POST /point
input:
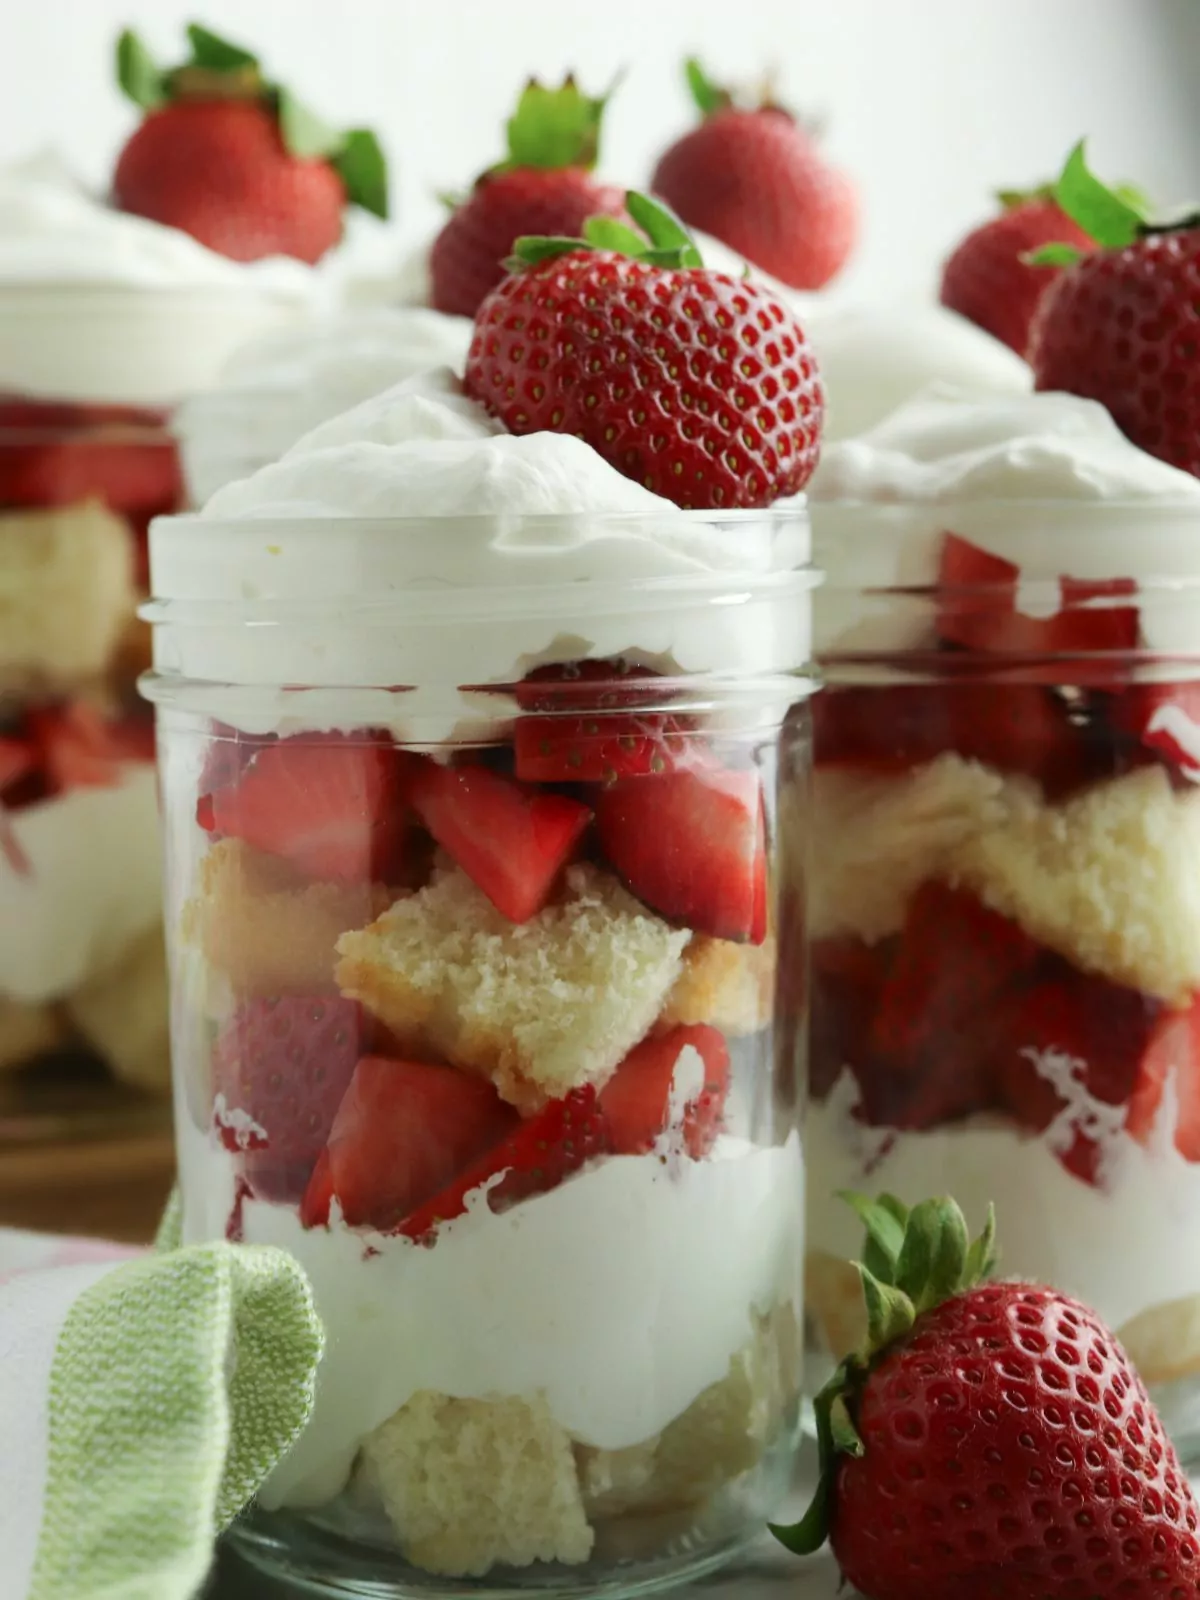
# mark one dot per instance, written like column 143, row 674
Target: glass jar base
column 289, row 1548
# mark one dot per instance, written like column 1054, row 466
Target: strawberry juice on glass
column 1005, row 901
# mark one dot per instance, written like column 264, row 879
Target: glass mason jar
column 82, row 969
column 482, row 910
column 1005, row 902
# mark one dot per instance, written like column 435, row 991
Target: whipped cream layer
column 278, row 388
column 92, row 889
column 1046, row 481
column 97, row 305
column 1125, row 1248
column 413, row 545
column 621, row 1296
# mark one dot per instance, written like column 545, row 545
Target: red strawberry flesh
column 636, row 1102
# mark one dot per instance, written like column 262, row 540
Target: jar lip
column 795, row 510
column 1077, row 504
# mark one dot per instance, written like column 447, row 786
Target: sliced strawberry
column 1064, row 1041
column 637, row 1100
column 404, row 1131
column 1164, row 718
column 330, row 804
column 535, row 1157
column 978, row 610
column 930, row 1032
column 227, row 756
column 18, row 758
column 77, row 747
column 131, row 476
column 848, row 976
column 596, row 749
column 1014, row 727
column 1173, row 1055
column 692, row 846
column 280, row 1068
column 511, row 841
column 589, row 685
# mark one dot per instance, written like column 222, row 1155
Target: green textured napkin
column 144, row 1404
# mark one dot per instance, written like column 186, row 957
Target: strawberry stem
column 913, row 1261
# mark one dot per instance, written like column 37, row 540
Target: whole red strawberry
column 1122, row 325
column 756, row 179
column 235, row 161
column 988, row 280
column 280, row 1068
column 544, row 186
column 700, row 386
column 992, row 1440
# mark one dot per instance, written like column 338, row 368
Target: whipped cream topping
column 278, row 388
column 1046, row 481
column 438, row 550
column 621, row 1296
column 97, row 305
column 875, row 357
column 92, row 890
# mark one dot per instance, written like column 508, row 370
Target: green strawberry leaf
column 304, row 133
column 215, row 54
column 709, row 97
column 1103, row 213
column 890, row 1312
column 1009, row 199
column 555, row 127
column 362, row 167
column 807, row 1536
column 1053, row 255
column 885, row 1220
column 933, row 1258
column 138, row 74
column 983, row 1256
column 529, row 249
column 608, row 233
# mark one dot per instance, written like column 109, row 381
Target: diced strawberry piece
column 404, row 1132
column 848, row 976
column 595, row 749
column 330, row 804
column 637, row 1101
column 511, row 841
column 1065, row 1041
column 692, row 846
column 135, row 478
column 1173, row 1056
column 1014, row 727
column 76, row 746
column 280, row 1069
column 18, row 758
column 588, row 685
column 978, row 610
column 930, row 1033
column 1165, row 718
column 535, row 1157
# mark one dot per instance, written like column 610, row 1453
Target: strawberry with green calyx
column 755, row 177
column 236, row 160
column 698, row 385
column 545, row 185
column 988, row 279
column 989, row 1440
column 1121, row 325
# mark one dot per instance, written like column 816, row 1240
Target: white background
column 930, row 102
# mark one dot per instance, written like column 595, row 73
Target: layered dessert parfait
column 1005, row 909
column 111, row 312
column 276, row 389
column 478, row 899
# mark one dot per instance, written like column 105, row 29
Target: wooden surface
column 111, row 1188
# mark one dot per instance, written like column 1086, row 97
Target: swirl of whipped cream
column 412, row 541
column 277, row 388
column 100, row 306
